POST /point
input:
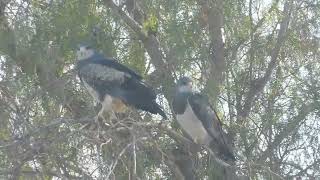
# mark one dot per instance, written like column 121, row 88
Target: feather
column 106, row 76
column 207, row 115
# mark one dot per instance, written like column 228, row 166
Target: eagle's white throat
column 193, row 126
column 185, row 88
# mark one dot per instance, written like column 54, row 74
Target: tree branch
column 289, row 128
column 127, row 19
column 258, row 85
column 151, row 44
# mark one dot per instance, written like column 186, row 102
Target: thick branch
column 212, row 11
column 215, row 30
column 150, row 42
column 127, row 19
column 151, row 45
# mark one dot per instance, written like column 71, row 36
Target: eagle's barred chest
column 116, row 104
column 96, row 72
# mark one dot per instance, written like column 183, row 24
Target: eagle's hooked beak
column 189, row 85
column 186, row 87
column 82, row 53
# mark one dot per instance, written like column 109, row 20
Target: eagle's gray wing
column 109, row 77
column 207, row 115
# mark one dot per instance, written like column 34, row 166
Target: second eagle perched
column 114, row 85
column 199, row 120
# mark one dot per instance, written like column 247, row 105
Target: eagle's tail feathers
column 223, row 150
column 157, row 110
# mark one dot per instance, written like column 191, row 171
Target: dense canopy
column 257, row 60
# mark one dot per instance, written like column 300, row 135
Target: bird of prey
column 198, row 119
column 114, row 85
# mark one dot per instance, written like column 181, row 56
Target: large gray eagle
column 199, row 120
column 114, row 85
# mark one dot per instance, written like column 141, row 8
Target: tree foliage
column 257, row 60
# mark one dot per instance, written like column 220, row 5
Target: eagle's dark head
column 84, row 52
column 184, row 85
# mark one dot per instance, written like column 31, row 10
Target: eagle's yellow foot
column 118, row 106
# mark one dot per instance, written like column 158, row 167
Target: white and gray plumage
column 114, row 85
column 198, row 119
